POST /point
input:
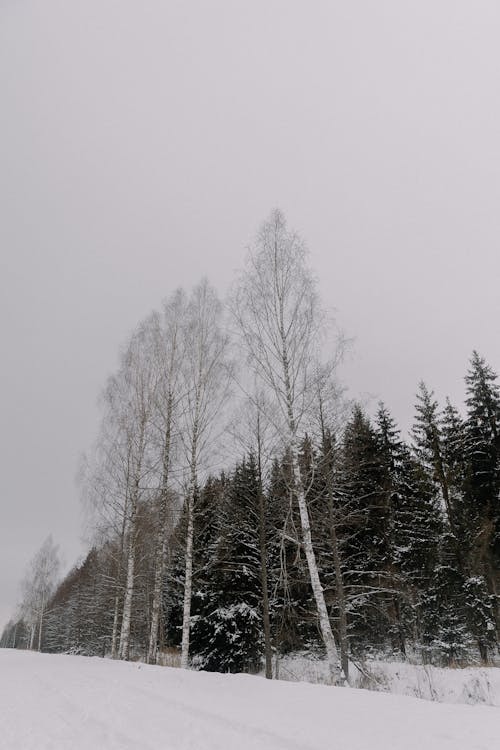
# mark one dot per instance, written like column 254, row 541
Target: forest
column 241, row 507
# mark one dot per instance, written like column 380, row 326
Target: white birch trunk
column 319, row 596
column 161, row 542
column 124, row 647
column 40, row 625
column 298, row 487
column 188, row 583
column 116, row 614
column 127, row 604
column 156, row 604
column 188, row 580
column 32, row 637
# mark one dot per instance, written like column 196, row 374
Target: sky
column 142, row 144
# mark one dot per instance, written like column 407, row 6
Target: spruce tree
column 392, row 459
column 482, row 448
column 364, row 527
column 227, row 628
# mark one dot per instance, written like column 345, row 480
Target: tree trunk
column 298, row 488
column 114, row 634
column 193, row 485
column 32, row 637
column 341, row 600
column 157, row 594
column 161, row 542
column 124, row 647
column 319, row 596
column 188, row 583
column 268, row 653
column 263, row 571
column 116, row 614
column 40, row 625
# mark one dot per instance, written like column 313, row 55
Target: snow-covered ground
column 76, row 703
column 470, row 686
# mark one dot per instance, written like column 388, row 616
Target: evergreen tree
column 363, row 529
column 454, row 464
column 206, row 516
column 392, row 458
column 482, row 447
column 227, row 634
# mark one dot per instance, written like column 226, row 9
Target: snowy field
column 471, row 685
column 76, row 703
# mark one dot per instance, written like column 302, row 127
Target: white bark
column 40, row 622
column 169, row 356
column 129, row 592
column 277, row 311
column 124, row 647
column 206, row 378
column 118, row 580
column 319, row 597
column 161, row 540
column 188, row 576
column 136, row 387
column 188, row 585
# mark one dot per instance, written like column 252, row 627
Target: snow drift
column 63, row 702
column 469, row 685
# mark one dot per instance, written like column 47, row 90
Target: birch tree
column 205, row 382
column 37, row 587
column 134, row 389
column 104, row 477
column 168, row 340
column 281, row 323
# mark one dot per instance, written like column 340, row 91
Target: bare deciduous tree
column 206, row 378
column 104, row 478
column 134, row 389
column 37, row 588
column 168, row 339
column 281, row 323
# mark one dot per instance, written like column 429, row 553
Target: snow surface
column 470, row 685
column 75, row 703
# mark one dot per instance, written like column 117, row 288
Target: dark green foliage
column 482, row 447
column 364, row 518
column 407, row 540
column 226, row 633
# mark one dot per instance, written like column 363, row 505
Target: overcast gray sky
column 141, row 145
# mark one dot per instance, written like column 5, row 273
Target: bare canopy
column 281, row 323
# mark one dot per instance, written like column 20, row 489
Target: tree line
column 241, row 508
